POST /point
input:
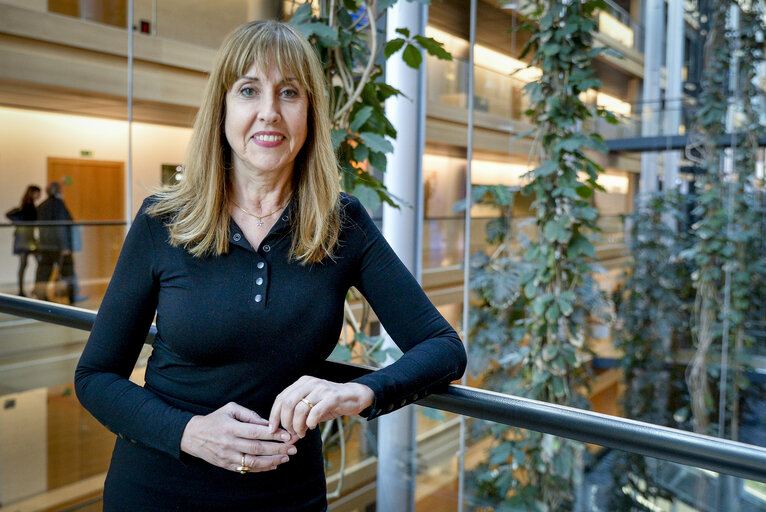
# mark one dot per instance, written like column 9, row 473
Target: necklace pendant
column 259, row 223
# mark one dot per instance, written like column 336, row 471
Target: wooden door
column 93, row 190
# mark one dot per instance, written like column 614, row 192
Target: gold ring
column 311, row 406
column 243, row 469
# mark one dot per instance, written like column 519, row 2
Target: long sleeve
column 433, row 353
column 122, row 323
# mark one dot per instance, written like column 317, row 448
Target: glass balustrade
column 597, row 479
column 97, row 245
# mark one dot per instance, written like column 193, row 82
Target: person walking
column 24, row 239
column 56, row 245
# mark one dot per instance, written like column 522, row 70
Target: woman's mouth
column 268, row 139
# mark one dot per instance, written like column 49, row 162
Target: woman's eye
column 290, row 93
column 247, row 92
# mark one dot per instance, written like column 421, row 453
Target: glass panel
column 79, row 278
column 590, row 478
column 57, row 451
column 437, row 461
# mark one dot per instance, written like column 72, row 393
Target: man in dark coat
column 56, row 245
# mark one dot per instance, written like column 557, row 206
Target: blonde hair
column 196, row 207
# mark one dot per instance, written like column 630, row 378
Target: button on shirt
column 244, row 325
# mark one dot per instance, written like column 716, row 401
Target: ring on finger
column 243, row 468
column 311, row 406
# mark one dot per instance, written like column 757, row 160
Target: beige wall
column 28, row 138
column 199, row 22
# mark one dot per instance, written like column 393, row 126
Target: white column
column 654, row 23
column 673, row 84
column 402, row 228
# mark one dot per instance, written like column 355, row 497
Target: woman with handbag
column 24, row 239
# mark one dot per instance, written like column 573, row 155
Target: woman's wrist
column 364, row 396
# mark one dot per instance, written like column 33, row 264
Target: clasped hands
column 234, row 436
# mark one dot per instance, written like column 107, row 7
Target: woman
column 24, row 240
column 247, row 263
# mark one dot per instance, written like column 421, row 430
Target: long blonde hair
column 197, row 206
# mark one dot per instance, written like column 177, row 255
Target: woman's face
column 266, row 121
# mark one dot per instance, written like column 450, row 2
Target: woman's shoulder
column 351, row 207
column 355, row 219
column 150, row 212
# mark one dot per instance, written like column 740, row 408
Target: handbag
column 14, row 214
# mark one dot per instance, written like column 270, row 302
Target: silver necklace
column 259, row 219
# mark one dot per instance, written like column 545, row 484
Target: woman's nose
column 269, row 112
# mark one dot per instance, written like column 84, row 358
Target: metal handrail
column 721, row 455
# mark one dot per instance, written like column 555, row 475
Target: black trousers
column 65, row 263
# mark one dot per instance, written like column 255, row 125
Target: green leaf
column 584, row 191
column 557, row 386
column 549, row 352
column 551, row 49
column 580, row 246
column 393, row 46
column 553, row 313
column 412, row 56
column 361, row 152
column 378, row 161
column 555, row 231
column 403, row 31
column 434, row 414
column 341, row 353
column 337, row 137
column 326, row 35
column 376, row 142
column 500, row 453
column 433, row 47
column 361, row 117
column 546, row 168
column 367, row 196
column 301, row 15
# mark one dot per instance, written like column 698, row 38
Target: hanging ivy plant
column 654, row 311
column 727, row 229
column 554, row 294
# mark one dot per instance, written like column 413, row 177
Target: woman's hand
column 225, row 435
column 306, row 402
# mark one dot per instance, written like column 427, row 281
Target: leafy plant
column 726, row 269
column 346, row 36
column 654, row 312
column 551, row 293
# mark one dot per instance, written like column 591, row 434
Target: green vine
column 654, row 313
column 726, row 270
column 553, row 294
column 346, row 35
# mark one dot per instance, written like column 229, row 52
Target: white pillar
column 402, row 228
column 673, row 84
column 654, row 21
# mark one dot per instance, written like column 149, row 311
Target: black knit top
column 241, row 327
